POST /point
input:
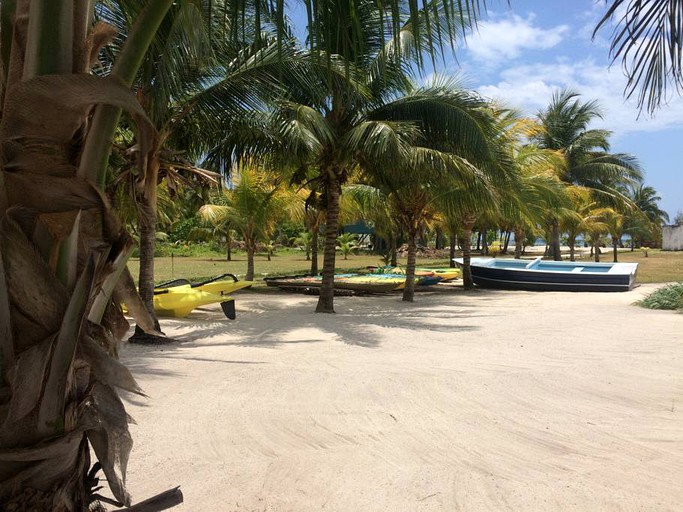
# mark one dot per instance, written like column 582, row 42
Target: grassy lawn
column 658, row 267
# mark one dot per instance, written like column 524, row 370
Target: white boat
column 552, row 275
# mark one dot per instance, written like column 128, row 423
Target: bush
column 670, row 297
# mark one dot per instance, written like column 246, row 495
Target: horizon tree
column 587, row 162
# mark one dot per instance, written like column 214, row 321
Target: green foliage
column 678, row 219
column 669, row 297
column 180, row 232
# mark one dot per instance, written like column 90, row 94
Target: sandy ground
column 493, row 400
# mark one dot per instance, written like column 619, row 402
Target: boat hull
column 584, row 278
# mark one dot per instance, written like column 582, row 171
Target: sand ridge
column 492, row 400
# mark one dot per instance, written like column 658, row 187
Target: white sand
column 486, row 401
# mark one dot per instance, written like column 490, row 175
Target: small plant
column 645, row 249
column 495, row 249
column 669, row 297
column 346, row 243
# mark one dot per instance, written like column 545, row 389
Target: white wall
column 672, row 238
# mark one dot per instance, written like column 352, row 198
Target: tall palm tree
column 587, row 161
column 648, row 39
column 57, row 125
column 253, row 206
column 61, row 242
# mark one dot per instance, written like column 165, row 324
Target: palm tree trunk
column 467, row 281
column 333, row 186
column 438, row 242
column 615, row 244
column 251, row 250
column 572, row 248
column 409, row 290
column 596, row 248
column 393, row 250
column 451, row 255
column 555, row 240
column 314, row 251
column 147, row 226
column 507, row 242
column 484, row 242
column 48, row 321
column 519, row 243
column 228, row 244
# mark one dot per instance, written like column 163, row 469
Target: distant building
column 672, row 238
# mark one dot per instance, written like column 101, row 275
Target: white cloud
column 499, row 41
column 530, row 88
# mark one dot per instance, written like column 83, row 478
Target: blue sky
column 523, row 52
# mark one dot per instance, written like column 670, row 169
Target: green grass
column 284, row 262
column 670, row 297
column 658, row 267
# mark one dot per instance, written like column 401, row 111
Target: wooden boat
column 179, row 297
column 552, row 275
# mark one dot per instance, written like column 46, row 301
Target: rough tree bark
column 314, row 250
column 451, row 255
column 555, row 249
column 519, row 243
column 467, row 281
column 409, row 290
column 333, row 189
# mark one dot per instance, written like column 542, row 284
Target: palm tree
column 587, row 161
column 649, row 40
column 615, row 224
column 253, row 206
column 346, row 242
column 303, row 241
column 62, row 243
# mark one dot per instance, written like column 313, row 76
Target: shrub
column 670, row 297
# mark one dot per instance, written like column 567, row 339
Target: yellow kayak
column 446, row 274
column 179, row 297
column 179, row 301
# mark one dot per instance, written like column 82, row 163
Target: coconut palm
column 62, row 243
column 587, row 161
column 648, row 40
column 615, row 223
column 347, row 243
column 63, row 334
column 253, row 206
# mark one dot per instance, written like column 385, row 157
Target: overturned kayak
column 179, row 297
column 443, row 274
column 359, row 283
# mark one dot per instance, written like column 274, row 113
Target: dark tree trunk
column 467, row 281
column 555, row 249
column 484, row 242
column 251, row 250
column 409, row 290
column 268, row 255
column 228, row 244
column 333, row 186
column 438, row 243
column 596, row 251
column 393, row 250
column 519, row 243
column 615, row 245
column 572, row 248
column 478, row 241
column 451, row 256
column 147, row 226
column 507, row 242
column 314, row 251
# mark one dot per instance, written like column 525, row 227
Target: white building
column 672, row 238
